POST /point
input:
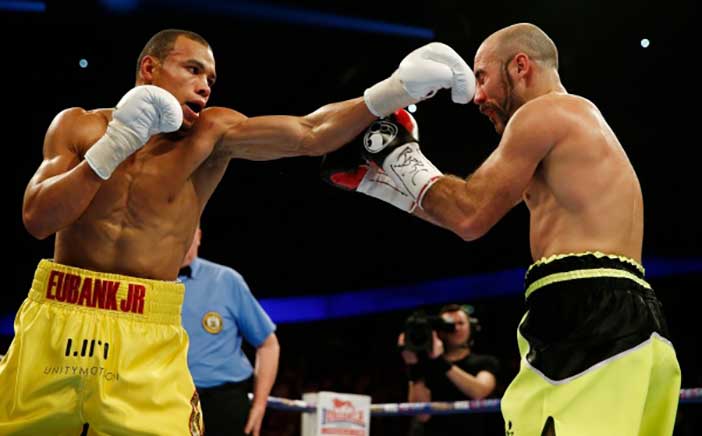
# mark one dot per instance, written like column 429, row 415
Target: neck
column 457, row 353
column 547, row 83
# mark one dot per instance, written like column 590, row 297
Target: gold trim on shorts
column 588, row 273
column 597, row 254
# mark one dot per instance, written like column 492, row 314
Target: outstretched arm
column 420, row 75
column 273, row 137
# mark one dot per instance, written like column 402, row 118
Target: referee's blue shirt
column 218, row 312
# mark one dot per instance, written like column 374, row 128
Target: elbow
column 485, row 388
column 272, row 343
column 484, row 393
column 470, row 229
column 34, row 225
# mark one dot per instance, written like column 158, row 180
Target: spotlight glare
column 645, row 43
column 83, row 63
column 412, row 108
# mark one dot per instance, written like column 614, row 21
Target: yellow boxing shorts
column 596, row 358
column 103, row 349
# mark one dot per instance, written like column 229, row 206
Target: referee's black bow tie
column 186, row 271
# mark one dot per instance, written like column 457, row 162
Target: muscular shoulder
column 215, row 121
column 551, row 117
column 220, row 118
column 78, row 128
column 77, row 117
column 556, row 110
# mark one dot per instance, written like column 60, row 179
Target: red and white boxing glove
column 420, row 75
column 390, row 144
column 345, row 169
column 143, row 112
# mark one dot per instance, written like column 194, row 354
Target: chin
column 187, row 125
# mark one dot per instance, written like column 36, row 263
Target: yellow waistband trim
column 583, row 274
column 597, row 254
column 112, row 294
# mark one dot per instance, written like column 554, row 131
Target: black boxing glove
column 343, row 168
column 386, row 134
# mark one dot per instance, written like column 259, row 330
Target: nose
column 479, row 97
column 203, row 88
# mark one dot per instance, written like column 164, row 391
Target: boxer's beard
column 508, row 105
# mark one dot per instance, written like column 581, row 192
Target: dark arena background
column 339, row 272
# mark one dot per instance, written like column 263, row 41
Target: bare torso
column 585, row 195
column 142, row 220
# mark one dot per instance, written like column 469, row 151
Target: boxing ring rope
column 692, row 395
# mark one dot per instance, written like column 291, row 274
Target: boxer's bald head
column 521, row 38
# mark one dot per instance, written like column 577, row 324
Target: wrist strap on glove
column 411, row 170
column 387, row 96
column 118, row 142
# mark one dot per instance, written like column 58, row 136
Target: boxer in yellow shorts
column 97, row 348
column 596, row 359
column 123, row 190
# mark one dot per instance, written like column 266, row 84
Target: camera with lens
column 418, row 328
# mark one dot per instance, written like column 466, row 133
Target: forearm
column 56, row 202
column 419, row 393
column 266, row 370
column 420, row 75
column 456, row 204
column 334, row 125
column 474, row 387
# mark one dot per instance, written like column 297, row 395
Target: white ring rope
column 692, row 395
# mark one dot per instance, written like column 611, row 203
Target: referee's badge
column 212, row 322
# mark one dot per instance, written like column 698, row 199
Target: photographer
column 442, row 367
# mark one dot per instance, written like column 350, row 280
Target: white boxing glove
column 143, row 112
column 420, row 75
